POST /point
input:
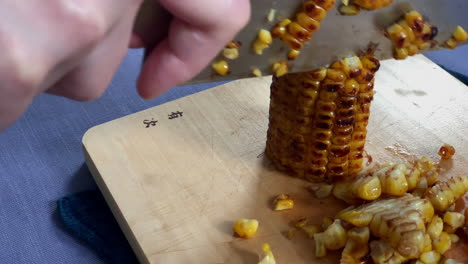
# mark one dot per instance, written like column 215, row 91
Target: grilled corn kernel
column 311, row 230
column 245, row 228
column 427, row 243
column 333, row 238
column 451, row 43
column 454, row 238
column 435, row 227
column 231, row 53
column 431, row 257
column 280, row 68
column 293, row 54
column 322, row 190
column 221, row 67
column 356, row 246
column 460, row 34
column 256, row 72
column 320, row 249
column 267, row 256
column 393, row 180
column 373, row 4
column 349, row 10
column 283, row 202
column 446, row 151
column 454, row 219
column 367, row 188
column 444, row 194
column 280, row 28
column 263, row 41
column 442, row 243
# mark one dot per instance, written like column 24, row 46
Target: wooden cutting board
column 176, row 185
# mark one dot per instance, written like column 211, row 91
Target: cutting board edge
column 114, row 207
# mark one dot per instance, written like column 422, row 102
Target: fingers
column 198, row 32
column 92, row 77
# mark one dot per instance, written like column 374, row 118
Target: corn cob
column 297, row 32
column 400, row 221
column 373, row 4
column 444, row 194
column 318, row 119
column 410, row 35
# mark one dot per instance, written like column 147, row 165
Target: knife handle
column 151, row 24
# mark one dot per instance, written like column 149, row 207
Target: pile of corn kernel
column 398, row 213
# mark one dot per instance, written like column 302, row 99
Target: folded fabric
column 87, row 217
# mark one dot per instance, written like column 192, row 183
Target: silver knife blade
column 339, row 36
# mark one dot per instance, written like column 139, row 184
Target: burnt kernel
column 337, row 169
column 346, row 103
column 358, row 156
column 355, row 73
column 418, row 25
column 346, row 122
column 323, row 125
column 344, row 131
column 434, row 32
column 319, row 162
column 327, row 107
column 333, row 87
column 346, row 113
column 317, row 154
column 324, row 117
column 340, row 151
column 359, row 136
column 320, row 145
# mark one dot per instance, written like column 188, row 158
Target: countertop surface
column 41, row 160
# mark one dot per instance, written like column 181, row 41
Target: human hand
column 73, row 48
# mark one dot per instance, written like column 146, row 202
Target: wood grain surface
column 176, row 187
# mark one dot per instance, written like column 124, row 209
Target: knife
column 339, row 36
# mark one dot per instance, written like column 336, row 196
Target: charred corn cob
column 400, row 221
column 297, row 32
column 373, row 4
column 245, row 228
column 443, row 194
column 317, row 120
column 356, row 246
column 410, row 34
column 267, row 255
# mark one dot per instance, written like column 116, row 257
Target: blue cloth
column 86, row 216
column 41, row 161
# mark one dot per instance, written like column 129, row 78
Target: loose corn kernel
column 268, row 257
column 454, row 238
column 460, row 34
column 333, row 238
column 435, row 227
column 311, row 230
column 271, row 15
column 442, row 243
column 280, row 28
column 451, row 43
column 454, row 219
column 231, row 53
column 256, row 72
column 322, row 190
column 367, row 188
column 283, row 202
column 293, row 54
column 263, row 41
column 221, row 67
column 245, row 228
column 349, row 10
column 373, row 4
column 356, row 246
column 280, row 68
column 427, row 243
column 431, row 257
column 446, row 151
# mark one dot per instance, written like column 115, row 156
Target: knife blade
column 339, row 36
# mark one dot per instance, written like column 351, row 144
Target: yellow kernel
column 431, row 257
column 245, row 228
column 442, row 243
column 401, row 54
column 280, row 68
column 460, row 34
column 271, row 15
column 283, row 202
column 454, row 219
column 454, row 238
column 265, row 36
column 451, row 43
column 256, row 72
column 311, row 230
column 221, row 67
column 349, row 10
column 292, row 54
column 268, row 257
column 231, row 54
